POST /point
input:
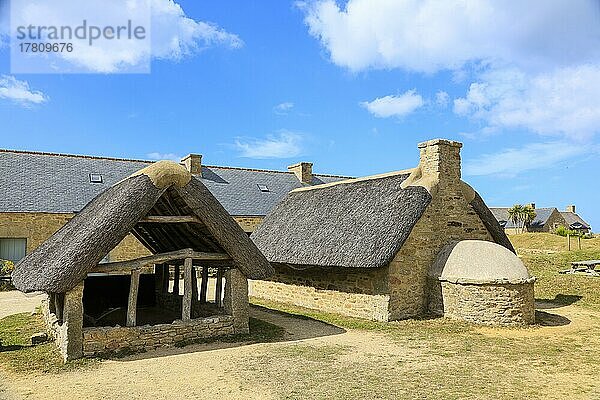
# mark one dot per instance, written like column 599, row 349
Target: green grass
column 17, row 355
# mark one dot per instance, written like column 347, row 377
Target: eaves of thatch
column 162, row 189
column 360, row 223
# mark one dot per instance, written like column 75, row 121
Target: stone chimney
column 303, row 171
column 193, row 163
column 440, row 160
column 571, row 208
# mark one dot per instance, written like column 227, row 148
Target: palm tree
column 515, row 214
column 528, row 216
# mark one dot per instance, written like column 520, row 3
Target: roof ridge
column 45, row 153
column 355, row 180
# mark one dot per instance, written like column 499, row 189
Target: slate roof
column 541, row 217
column 573, row 218
column 60, row 183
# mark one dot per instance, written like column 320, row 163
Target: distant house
column 547, row 219
column 45, row 190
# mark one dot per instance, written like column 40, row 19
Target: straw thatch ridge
column 357, row 225
column 165, row 188
column 62, row 261
column 491, row 223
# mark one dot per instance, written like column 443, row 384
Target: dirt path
column 15, row 302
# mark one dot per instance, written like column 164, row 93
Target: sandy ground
column 15, row 302
column 209, row 370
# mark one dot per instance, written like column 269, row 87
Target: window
column 12, row 249
column 263, row 188
column 96, row 178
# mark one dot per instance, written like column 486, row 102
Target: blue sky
column 350, row 86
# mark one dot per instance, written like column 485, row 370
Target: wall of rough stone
column 99, row 341
column 449, row 216
column 356, row 293
column 67, row 332
column 490, row 304
column 37, row 227
column 249, row 223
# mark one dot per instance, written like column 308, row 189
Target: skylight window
column 95, row 178
column 263, row 188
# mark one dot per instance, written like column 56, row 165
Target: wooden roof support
column 219, row 288
column 204, row 284
column 161, row 258
column 176, row 273
column 170, row 219
column 133, row 296
column 186, row 307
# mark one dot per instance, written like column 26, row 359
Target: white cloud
column 282, row 145
column 172, row 35
column 19, row 92
column 513, row 161
column 442, row 98
column 564, row 102
column 283, row 108
column 429, row 35
column 164, row 156
column 394, row 106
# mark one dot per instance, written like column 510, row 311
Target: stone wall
column 249, row 223
column 37, row 227
column 490, row 304
column 352, row 292
column 66, row 329
column 110, row 340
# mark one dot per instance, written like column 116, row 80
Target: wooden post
column 186, row 308
column 569, row 240
column 204, row 285
column 579, row 241
column 166, row 278
column 219, row 287
column 133, row 295
column 158, row 279
column 194, row 284
column 176, row 281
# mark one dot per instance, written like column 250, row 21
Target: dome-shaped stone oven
column 481, row 282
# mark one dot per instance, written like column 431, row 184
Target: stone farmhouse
column 395, row 246
column 180, row 222
column 546, row 220
column 45, row 190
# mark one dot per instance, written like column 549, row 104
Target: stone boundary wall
column 489, row 304
column 358, row 305
column 106, row 340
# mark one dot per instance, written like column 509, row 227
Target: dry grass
column 550, row 242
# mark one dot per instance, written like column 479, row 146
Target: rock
column 39, row 338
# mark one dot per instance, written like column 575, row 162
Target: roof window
column 95, row 178
column 263, row 188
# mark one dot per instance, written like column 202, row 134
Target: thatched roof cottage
column 364, row 247
column 98, row 307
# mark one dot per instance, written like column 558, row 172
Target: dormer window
column 95, row 178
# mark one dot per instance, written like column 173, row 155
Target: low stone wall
column 490, row 304
column 359, row 305
column 107, row 340
column 66, row 332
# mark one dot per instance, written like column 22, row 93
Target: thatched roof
column 361, row 223
column 162, row 189
column 355, row 223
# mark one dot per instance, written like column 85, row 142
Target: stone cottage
column 365, row 247
column 547, row 219
column 97, row 307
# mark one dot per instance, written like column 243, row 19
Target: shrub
column 563, row 231
column 6, row 267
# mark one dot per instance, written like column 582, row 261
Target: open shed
column 95, row 307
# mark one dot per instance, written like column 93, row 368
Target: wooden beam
column 186, row 308
column 204, row 284
column 133, row 295
column 176, row 281
column 219, row 287
column 170, row 219
column 161, row 258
